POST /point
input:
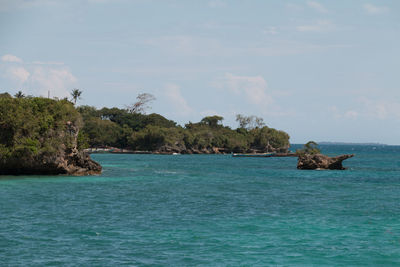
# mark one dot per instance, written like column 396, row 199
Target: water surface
column 190, row 210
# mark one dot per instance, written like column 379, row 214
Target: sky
column 319, row 70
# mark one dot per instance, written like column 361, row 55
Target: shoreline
column 198, row 152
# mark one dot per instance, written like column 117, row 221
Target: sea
column 207, row 210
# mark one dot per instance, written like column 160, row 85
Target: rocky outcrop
column 182, row 149
column 321, row 162
column 80, row 163
column 72, row 163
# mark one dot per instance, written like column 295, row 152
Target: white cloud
column 11, row 58
column 319, row 26
column 39, row 77
column 57, row 81
column 317, row 6
column 178, row 102
column 18, row 74
column 253, row 88
column 374, row 10
column 14, row 59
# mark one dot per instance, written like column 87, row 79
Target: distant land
column 353, row 144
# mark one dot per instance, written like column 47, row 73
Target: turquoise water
column 191, row 210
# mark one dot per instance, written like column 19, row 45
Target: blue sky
column 319, row 70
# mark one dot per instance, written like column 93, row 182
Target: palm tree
column 76, row 94
column 19, row 95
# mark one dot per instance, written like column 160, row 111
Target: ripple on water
column 206, row 210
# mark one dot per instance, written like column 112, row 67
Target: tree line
column 131, row 128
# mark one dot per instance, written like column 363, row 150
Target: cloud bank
column 38, row 78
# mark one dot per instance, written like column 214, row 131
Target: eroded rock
column 321, row 162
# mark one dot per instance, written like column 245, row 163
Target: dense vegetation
column 123, row 129
column 33, row 128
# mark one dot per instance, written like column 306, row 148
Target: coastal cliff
column 41, row 136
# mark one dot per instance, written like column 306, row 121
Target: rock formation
column 69, row 163
column 79, row 163
column 321, row 162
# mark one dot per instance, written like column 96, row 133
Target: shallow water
column 207, row 210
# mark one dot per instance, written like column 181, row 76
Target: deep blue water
column 190, row 210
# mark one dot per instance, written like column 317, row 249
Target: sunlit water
column 188, row 210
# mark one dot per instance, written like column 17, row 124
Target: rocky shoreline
column 76, row 163
column 182, row 149
column 214, row 150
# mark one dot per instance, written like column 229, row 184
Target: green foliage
column 212, row 121
column 310, row 148
column 88, row 112
column 83, row 140
column 136, row 121
column 263, row 137
column 208, row 133
column 5, row 95
column 102, row 132
column 32, row 126
column 76, row 94
column 123, row 129
column 157, row 119
column 153, row 137
column 113, row 127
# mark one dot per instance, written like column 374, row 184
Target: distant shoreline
column 127, row 151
